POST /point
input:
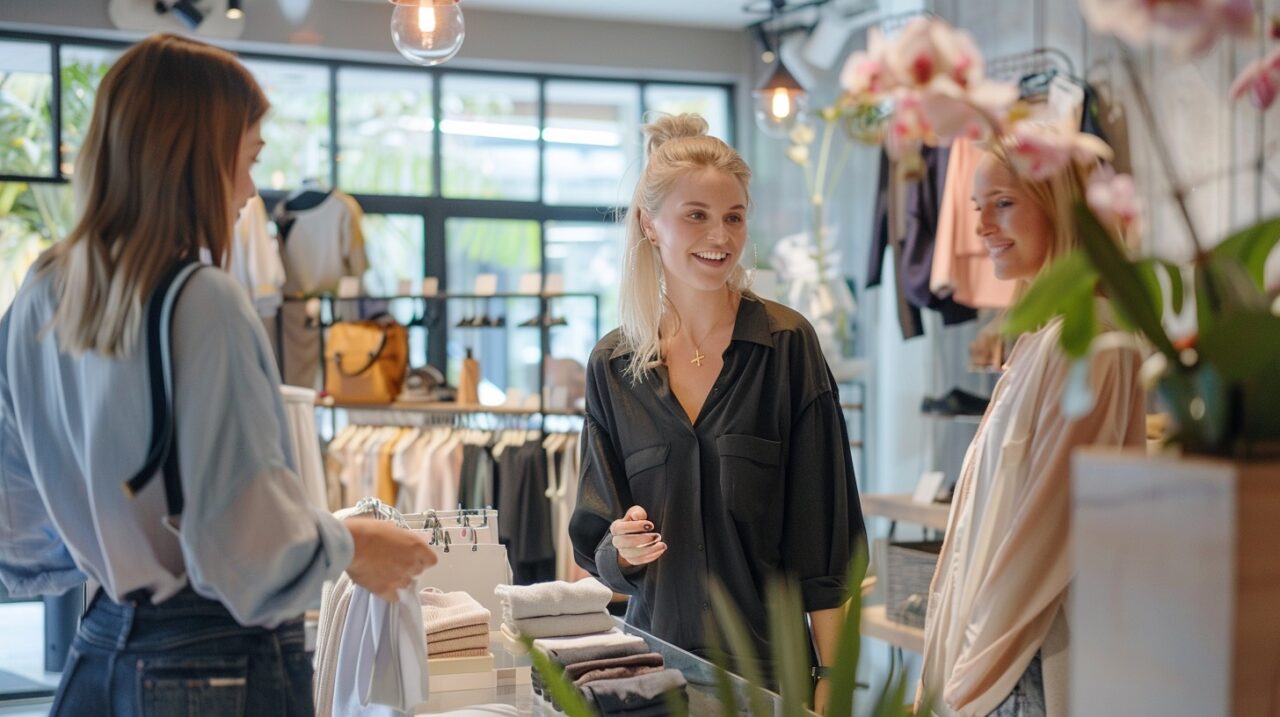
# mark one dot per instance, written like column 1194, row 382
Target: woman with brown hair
column 204, row 576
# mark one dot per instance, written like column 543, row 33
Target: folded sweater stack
column 457, row 625
column 616, row 673
column 555, row 609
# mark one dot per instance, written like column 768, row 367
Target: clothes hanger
column 308, row 195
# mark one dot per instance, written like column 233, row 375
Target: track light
column 234, row 12
column 184, row 10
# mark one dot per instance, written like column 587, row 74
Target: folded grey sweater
column 631, row 693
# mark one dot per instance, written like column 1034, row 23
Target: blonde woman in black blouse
column 714, row 443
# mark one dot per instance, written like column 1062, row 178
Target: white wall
column 494, row 39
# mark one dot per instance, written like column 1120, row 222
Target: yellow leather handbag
column 365, row 361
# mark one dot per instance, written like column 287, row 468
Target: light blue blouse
column 73, row 429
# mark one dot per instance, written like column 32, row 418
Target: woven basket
column 908, row 571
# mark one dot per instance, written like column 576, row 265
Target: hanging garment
column 255, row 261
column 300, row 411
column 914, row 249
column 526, row 527
column 318, row 246
column 885, row 235
column 962, row 269
column 381, row 668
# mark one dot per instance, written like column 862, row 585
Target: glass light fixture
column 779, row 100
column 427, row 32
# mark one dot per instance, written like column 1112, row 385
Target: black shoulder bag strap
column 164, row 435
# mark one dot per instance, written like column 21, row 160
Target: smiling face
column 700, row 229
column 1015, row 230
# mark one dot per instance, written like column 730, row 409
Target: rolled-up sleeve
column 33, row 558
column 249, row 536
column 603, row 496
column 823, row 515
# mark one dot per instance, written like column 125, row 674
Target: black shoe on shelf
column 956, row 403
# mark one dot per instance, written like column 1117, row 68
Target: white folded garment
column 604, row 639
column 554, row 598
column 561, row 625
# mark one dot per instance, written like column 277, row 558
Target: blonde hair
column 153, row 184
column 676, row 145
column 1056, row 196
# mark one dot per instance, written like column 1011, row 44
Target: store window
column 710, row 102
column 26, row 124
column 588, row 255
column 592, row 139
column 489, row 137
column 395, row 247
column 82, row 71
column 509, row 353
column 385, row 127
column 296, row 129
column 32, row 216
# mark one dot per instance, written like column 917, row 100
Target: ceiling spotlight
column 427, row 32
column 234, row 12
column 184, row 10
column 768, row 57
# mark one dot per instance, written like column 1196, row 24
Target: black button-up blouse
column 761, row 483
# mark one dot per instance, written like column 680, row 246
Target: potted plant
column 1178, row 576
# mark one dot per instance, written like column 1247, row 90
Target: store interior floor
column 22, row 653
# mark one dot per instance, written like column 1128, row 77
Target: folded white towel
column 611, row 638
column 555, row 598
column 448, row 611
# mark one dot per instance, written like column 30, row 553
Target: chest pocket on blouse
column 749, row 469
column 646, row 472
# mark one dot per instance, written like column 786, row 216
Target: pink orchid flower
column 934, row 74
column 1114, row 200
column 1040, row 150
column 1189, row 27
column 1260, row 80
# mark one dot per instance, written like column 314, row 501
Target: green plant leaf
column 740, row 644
column 849, row 643
column 1045, row 298
column 1122, row 281
column 1150, row 280
column 724, row 683
column 1251, row 247
column 1079, row 322
column 562, row 691
column 789, row 640
column 1261, row 410
column 1177, row 295
column 1240, row 345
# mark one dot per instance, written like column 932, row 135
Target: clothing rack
column 893, row 22
column 1040, row 60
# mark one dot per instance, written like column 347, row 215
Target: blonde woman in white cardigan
column 996, row 636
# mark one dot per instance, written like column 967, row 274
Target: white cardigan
column 998, row 594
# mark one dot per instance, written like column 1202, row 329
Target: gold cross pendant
column 697, row 358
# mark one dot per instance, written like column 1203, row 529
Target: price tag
column 431, row 286
column 486, row 284
column 406, row 287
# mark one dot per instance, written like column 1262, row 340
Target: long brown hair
column 153, row 184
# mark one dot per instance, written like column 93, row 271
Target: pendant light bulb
column 779, row 101
column 427, row 32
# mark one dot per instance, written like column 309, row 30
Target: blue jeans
column 186, row 656
column 1027, row 698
